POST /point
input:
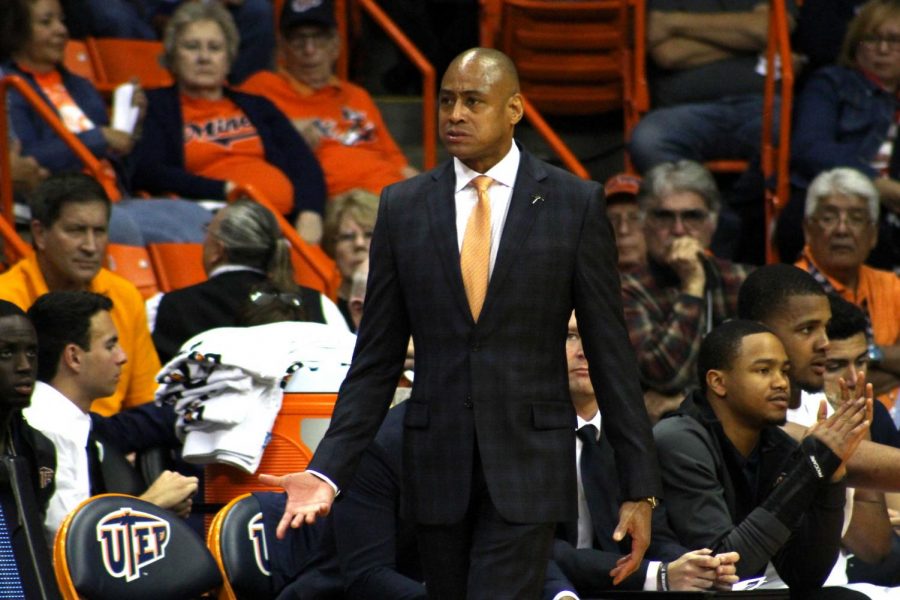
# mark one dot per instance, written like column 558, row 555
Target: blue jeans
column 142, row 222
column 730, row 128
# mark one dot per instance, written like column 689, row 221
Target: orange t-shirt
column 71, row 114
column 221, row 143
column 355, row 148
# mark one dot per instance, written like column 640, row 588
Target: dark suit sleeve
column 140, row 428
column 368, row 389
column 588, row 569
column 555, row 581
column 366, row 530
column 613, row 367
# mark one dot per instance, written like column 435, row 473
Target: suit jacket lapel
column 523, row 209
column 442, row 212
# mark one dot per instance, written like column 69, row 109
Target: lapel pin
column 536, row 198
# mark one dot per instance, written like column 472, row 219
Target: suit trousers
column 484, row 556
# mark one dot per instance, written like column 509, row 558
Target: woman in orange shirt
column 203, row 138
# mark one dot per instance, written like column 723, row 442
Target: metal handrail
column 776, row 159
column 429, row 125
column 93, row 166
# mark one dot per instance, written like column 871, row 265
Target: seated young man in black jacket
column 734, row 481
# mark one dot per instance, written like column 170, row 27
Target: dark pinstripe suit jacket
column 498, row 387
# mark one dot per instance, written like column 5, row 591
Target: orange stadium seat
column 568, row 53
column 77, row 59
column 133, row 263
column 177, row 264
column 117, row 61
column 299, row 427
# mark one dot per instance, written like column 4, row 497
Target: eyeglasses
column 319, row 39
column 352, row 236
column 854, row 219
column 873, row 41
column 692, row 218
column 632, row 219
column 267, row 298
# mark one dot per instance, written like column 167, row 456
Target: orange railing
column 568, row 158
column 93, row 166
column 776, row 158
column 490, row 22
column 429, row 125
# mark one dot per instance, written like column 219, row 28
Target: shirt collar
column 53, row 411
column 504, row 172
column 222, row 269
column 596, row 421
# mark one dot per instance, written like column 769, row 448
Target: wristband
column 662, row 577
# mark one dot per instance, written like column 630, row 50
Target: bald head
column 495, row 66
column 480, row 105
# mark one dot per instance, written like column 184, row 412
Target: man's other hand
column 634, row 520
column 308, row 497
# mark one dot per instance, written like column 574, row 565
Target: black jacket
column 777, row 505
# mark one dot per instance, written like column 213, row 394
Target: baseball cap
column 622, row 183
column 307, row 12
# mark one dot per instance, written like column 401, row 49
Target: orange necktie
column 475, row 257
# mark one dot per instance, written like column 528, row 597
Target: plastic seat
column 177, row 264
column 299, row 427
column 77, row 59
column 118, row 547
column 238, row 545
column 567, row 53
column 133, row 263
column 119, row 60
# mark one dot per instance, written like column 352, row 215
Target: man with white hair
column 840, row 229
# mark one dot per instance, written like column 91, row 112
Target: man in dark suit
column 243, row 249
column 584, row 551
column 485, row 283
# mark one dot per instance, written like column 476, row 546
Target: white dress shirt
column 68, row 428
column 465, row 196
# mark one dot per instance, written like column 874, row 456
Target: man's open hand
column 308, row 497
column 634, row 520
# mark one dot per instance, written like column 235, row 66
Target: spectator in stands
column 141, row 19
column 82, row 111
column 846, row 117
column 349, row 222
column 338, row 119
column 70, row 218
column 796, row 308
column 706, row 88
column 682, row 292
column 621, row 192
column 202, row 139
column 15, row 22
column 734, row 481
column 18, row 370
column 76, row 101
column 870, row 537
column 243, row 248
column 840, row 230
column 584, row 550
column 80, row 359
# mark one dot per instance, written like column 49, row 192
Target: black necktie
column 95, row 466
column 601, row 486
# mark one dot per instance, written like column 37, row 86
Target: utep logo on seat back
column 130, row 540
column 258, row 538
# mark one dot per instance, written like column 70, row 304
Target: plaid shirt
column 666, row 325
